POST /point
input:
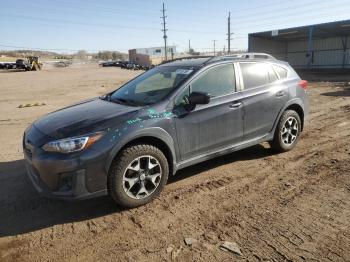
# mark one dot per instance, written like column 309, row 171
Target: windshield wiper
column 124, row 101
column 108, row 97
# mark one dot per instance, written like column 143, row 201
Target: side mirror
column 199, row 98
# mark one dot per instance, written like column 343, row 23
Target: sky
column 69, row 25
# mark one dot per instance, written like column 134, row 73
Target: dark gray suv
column 127, row 142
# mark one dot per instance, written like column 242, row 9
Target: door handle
column 280, row 93
column 235, row 105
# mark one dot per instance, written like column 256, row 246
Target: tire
column 287, row 132
column 132, row 164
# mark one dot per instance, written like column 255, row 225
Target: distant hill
column 82, row 55
column 25, row 53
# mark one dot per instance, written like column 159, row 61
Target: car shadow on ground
column 250, row 153
column 2, row 71
column 340, row 93
column 23, row 210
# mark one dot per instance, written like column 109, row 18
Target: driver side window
column 217, row 81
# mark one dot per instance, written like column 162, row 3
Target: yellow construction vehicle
column 32, row 64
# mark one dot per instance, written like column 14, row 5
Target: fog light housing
column 65, row 183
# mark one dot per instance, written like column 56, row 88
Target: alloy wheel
column 289, row 131
column 142, row 177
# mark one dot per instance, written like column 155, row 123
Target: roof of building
column 324, row 30
column 153, row 47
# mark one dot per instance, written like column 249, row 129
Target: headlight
column 72, row 144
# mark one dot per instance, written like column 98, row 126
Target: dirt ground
column 287, row 207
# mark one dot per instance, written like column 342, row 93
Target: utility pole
column 229, row 33
column 164, row 33
column 214, row 45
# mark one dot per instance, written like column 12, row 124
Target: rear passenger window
column 280, row 71
column 254, row 74
column 272, row 75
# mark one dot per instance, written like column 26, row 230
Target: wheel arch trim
column 296, row 102
column 155, row 133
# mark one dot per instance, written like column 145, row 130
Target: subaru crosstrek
column 127, row 142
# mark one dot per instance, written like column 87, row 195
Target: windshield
column 152, row 86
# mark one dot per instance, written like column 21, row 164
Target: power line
column 79, row 23
column 90, row 7
column 54, row 49
column 200, row 9
column 254, row 19
column 258, row 16
column 293, row 17
column 255, row 14
column 164, row 33
column 275, row 9
column 100, row 24
column 245, row 24
column 250, row 16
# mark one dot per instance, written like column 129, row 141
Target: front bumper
column 64, row 176
column 77, row 191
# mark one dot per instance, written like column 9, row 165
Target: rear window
column 282, row 72
column 254, row 74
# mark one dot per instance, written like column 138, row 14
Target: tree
column 81, row 54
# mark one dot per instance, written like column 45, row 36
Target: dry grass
column 8, row 59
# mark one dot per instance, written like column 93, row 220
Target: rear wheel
column 137, row 175
column 287, row 132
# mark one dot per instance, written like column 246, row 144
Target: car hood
column 83, row 118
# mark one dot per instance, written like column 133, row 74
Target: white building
column 156, row 51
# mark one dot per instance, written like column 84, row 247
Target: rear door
column 213, row 126
column 263, row 96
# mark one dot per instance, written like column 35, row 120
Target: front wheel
column 137, row 175
column 287, row 132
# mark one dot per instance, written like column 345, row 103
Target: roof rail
column 251, row 56
column 186, row 58
column 240, row 55
column 223, row 57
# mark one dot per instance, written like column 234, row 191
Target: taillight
column 303, row 84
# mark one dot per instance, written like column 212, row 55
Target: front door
column 213, row 126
